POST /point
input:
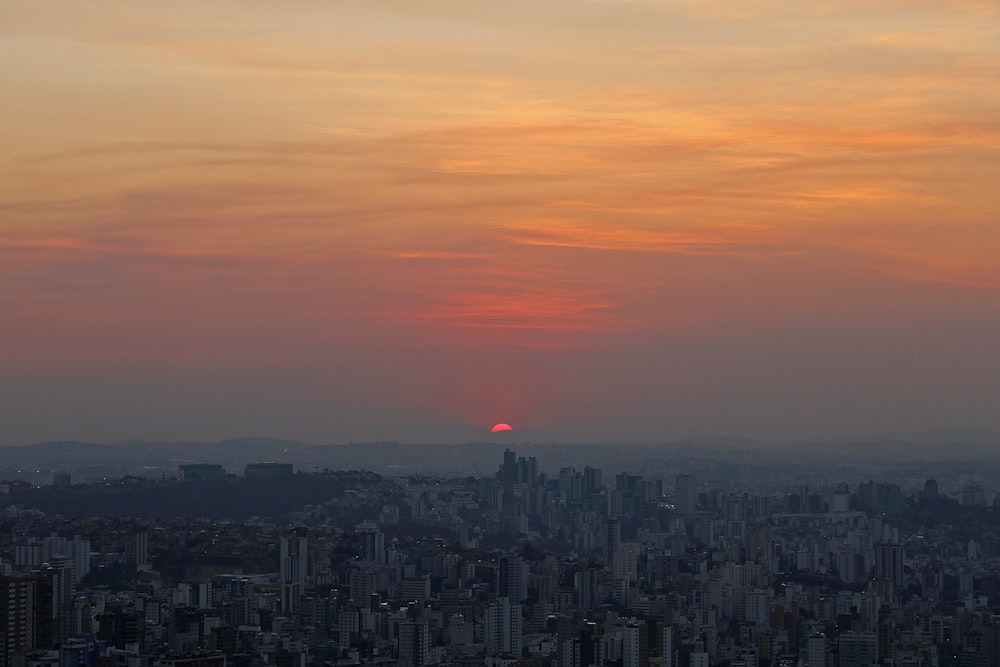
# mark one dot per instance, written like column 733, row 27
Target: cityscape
column 520, row 333
column 570, row 567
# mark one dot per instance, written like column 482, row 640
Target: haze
column 335, row 221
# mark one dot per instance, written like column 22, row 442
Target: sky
column 360, row 220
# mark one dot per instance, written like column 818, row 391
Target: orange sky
column 618, row 219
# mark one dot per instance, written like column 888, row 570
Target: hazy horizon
column 593, row 219
column 514, row 439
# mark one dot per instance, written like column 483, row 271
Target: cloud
column 429, row 254
column 537, row 308
column 463, row 205
column 568, row 234
column 135, row 253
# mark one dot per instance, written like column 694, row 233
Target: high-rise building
column 816, row 650
column 889, row 563
column 592, row 479
column 294, row 555
column 414, row 644
column 856, row 649
column 512, row 578
column 527, row 470
column 620, row 591
column 80, row 651
column 503, row 628
column 373, row 545
column 632, row 654
column 667, row 646
column 611, row 538
column 137, row 549
column 17, row 616
column 585, row 583
column 757, row 610
column 363, row 584
column 885, row 636
column 569, row 652
column 748, row 654
column 76, row 550
column 685, row 494
column 847, row 565
column 121, row 627
column 508, row 470
column 625, row 562
column 46, row 610
column 60, row 569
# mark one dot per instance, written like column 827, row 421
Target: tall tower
column 294, row 554
column 611, row 539
column 373, row 547
column 884, row 636
column 414, row 643
column 17, row 616
column 591, row 479
column 58, row 572
column 60, row 568
column 585, row 583
column 508, row 471
column 857, row 649
column 512, row 579
column 503, row 628
column 76, row 550
column 816, row 650
column 667, row 645
column 889, row 563
column 631, row 649
column 685, row 494
column 137, row 549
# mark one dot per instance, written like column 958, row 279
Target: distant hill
column 729, row 457
column 236, row 499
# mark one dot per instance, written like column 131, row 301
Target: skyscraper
column 503, row 628
column 414, row 643
column 685, row 494
column 508, row 470
column 60, row 568
column 76, row 550
column 889, row 563
column 137, row 549
column 816, row 651
column 667, row 645
column 632, row 654
column 611, row 539
column 856, row 649
column 585, row 583
column 373, row 547
column 294, row 554
column 512, row 578
column 17, row 616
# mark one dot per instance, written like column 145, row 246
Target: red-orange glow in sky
column 608, row 219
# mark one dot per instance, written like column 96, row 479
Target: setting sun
column 628, row 219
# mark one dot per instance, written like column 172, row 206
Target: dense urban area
column 519, row 567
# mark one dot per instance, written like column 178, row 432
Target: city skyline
column 592, row 221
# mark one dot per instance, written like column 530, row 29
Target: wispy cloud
column 537, row 308
column 568, row 234
column 429, row 254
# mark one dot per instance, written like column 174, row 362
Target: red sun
column 501, row 427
